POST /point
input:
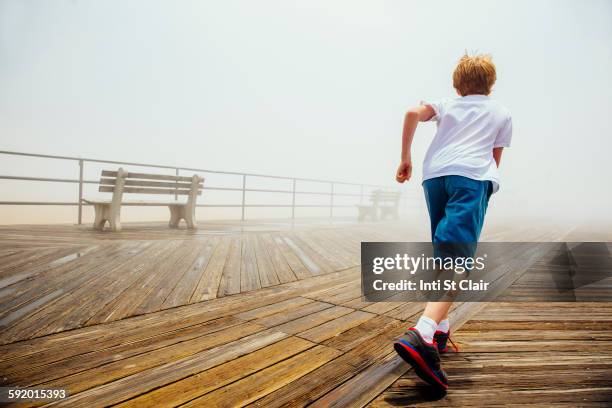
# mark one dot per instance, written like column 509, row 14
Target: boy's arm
column 413, row 117
column 497, row 154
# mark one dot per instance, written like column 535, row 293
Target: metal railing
column 244, row 189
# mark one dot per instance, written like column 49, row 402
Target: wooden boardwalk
column 523, row 354
column 268, row 314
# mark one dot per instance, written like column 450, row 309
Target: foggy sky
column 308, row 88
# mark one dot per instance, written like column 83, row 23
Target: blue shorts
column 457, row 207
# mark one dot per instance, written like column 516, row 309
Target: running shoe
column 423, row 357
column 441, row 339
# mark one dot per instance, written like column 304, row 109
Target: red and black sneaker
column 441, row 339
column 423, row 357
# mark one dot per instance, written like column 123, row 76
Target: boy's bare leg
column 437, row 311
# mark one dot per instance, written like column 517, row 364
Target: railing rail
column 244, row 189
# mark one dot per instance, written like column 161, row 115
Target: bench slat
column 140, row 190
column 146, row 176
column 138, row 203
column 144, row 183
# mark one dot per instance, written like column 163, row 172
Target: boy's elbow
column 420, row 113
column 412, row 114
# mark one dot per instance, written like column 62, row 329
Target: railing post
column 331, row 202
column 243, row 194
column 176, row 192
column 293, row 201
column 80, row 219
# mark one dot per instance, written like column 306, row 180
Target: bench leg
column 181, row 212
column 113, row 217
column 175, row 216
column 99, row 219
column 104, row 213
column 189, row 218
column 115, row 224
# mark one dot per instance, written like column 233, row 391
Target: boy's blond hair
column 474, row 75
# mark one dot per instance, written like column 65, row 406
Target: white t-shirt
column 469, row 128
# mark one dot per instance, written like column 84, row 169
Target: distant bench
column 384, row 202
column 122, row 182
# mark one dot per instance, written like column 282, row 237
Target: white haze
column 310, row 89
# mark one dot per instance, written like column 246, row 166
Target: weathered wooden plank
column 230, row 279
column 148, row 274
column 343, row 245
column 327, row 294
column 146, row 363
column 292, row 314
column 47, row 366
column 391, row 303
column 323, row 252
column 186, row 284
column 139, row 383
column 62, row 297
column 199, row 384
column 257, row 385
column 65, row 275
column 365, row 386
column 334, row 327
column 300, row 270
column 279, row 307
column 305, row 265
column 281, row 267
column 309, row 387
column 304, row 323
column 341, row 294
column 162, row 285
column 167, row 320
column 265, row 268
column 249, row 270
column 357, row 335
column 125, row 276
column 347, row 243
column 26, row 261
column 311, row 258
column 406, row 311
column 208, row 286
column 478, row 325
column 31, row 262
column 326, row 378
column 115, row 281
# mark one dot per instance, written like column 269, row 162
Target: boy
column 459, row 175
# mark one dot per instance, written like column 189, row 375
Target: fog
column 312, row 89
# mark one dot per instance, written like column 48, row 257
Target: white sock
column 444, row 326
column 426, row 328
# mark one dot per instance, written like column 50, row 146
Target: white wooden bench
column 383, row 204
column 121, row 182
